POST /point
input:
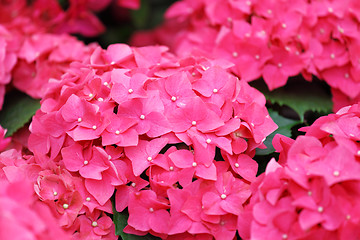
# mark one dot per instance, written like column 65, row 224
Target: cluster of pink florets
column 23, row 216
column 313, row 191
column 173, row 139
column 271, row 39
column 34, row 41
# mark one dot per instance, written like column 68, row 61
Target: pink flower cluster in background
column 150, row 126
column 270, row 39
column 313, row 191
column 35, row 42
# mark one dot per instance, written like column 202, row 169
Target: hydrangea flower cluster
column 34, row 41
column 313, row 191
column 270, row 39
column 23, row 216
column 173, row 139
column 32, row 48
column 77, row 16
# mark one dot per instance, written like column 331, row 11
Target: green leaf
column 17, row 111
column 140, row 17
column 120, row 221
column 300, row 95
column 284, row 128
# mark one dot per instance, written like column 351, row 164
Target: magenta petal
column 247, row 167
column 182, row 158
column 308, row 219
column 159, row 221
column 119, row 52
column 179, row 224
column 73, row 157
column 159, row 124
column 82, row 133
column 211, row 202
column 93, row 169
column 204, row 172
column 102, row 190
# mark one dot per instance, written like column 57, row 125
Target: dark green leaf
column 284, row 128
column 17, row 111
column 140, row 17
column 300, row 95
column 120, row 221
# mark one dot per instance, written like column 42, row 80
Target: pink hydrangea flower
column 24, row 216
column 312, row 192
column 269, row 39
column 148, row 125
